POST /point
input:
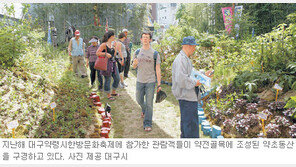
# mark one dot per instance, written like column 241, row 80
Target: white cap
column 124, row 30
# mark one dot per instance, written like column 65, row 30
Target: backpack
column 154, row 57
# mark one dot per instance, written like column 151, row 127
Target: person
column 108, row 48
column 126, row 42
column 76, row 49
column 91, row 58
column 147, row 67
column 121, row 57
column 185, row 89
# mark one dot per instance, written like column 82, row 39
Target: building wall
column 167, row 14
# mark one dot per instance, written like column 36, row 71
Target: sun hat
column 190, row 40
column 124, row 30
column 93, row 40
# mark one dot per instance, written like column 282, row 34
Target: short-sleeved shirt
column 146, row 72
column 91, row 53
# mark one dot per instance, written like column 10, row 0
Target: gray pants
column 79, row 65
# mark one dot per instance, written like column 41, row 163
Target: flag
column 227, row 17
column 95, row 21
column 237, row 14
column 49, row 35
column 106, row 25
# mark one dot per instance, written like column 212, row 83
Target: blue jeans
column 146, row 90
column 189, row 119
column 115, row 76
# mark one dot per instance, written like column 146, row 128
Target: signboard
column 262, row 116
column 53, row 105
column 12, row 125
column 278, row 87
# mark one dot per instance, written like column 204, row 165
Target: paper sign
column 277, row 86
column 53, row 105
column 203, row 79
column 218, row 89
column 262, row 116
column 12, row 125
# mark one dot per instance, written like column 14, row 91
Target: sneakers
column 121, row 85
column 125, row 85
column 83, row 76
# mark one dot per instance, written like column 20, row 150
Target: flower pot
column 93, row 93
column 96, row 98
column 106, row 119
column 105, row 129
column 106, row 124
column 98, row 104
column 101, row 110
column 104, row 134
column 103, row 115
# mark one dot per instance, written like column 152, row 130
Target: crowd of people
column 147, row 62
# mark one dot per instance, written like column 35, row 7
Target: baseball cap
column 77, row 32
column 124, row 30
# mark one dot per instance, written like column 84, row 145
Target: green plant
column 291, row 103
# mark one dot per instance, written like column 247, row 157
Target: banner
column 106, row 25
column 49, row 34
column 237, row 14
column 227, row 17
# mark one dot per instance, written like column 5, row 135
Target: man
column 147, row 62
column 126, row 42
column 184, row 89
column 76, row 49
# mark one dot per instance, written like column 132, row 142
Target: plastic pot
column 106, row 124
column 104, row 134
column 105, row 129
column 96, row 98
column 93, row 93
column 101, row 110
column 98, row 104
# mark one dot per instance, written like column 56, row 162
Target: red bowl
column 101, row 110
column 98, row 104
column 104, row 134
column 105, row 129
column 106, row 124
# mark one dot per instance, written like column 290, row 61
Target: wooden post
column 277, row 92
column 13, row 133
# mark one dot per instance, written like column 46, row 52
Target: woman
column 109, row 50
column 121, row 57
column 91, row 58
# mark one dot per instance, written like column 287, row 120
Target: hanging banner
column 106, row 25
column 227, row 17
column 49, row 34
column 238, row 10
column 95, row 20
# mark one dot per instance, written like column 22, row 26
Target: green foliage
column 13, row 37
column 291, row 103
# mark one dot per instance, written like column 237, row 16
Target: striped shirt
column 91, row 53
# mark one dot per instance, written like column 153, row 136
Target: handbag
column 160, row 96
column 101, row 62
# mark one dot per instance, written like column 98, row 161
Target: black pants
column 93, row 72
column 127, row 65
